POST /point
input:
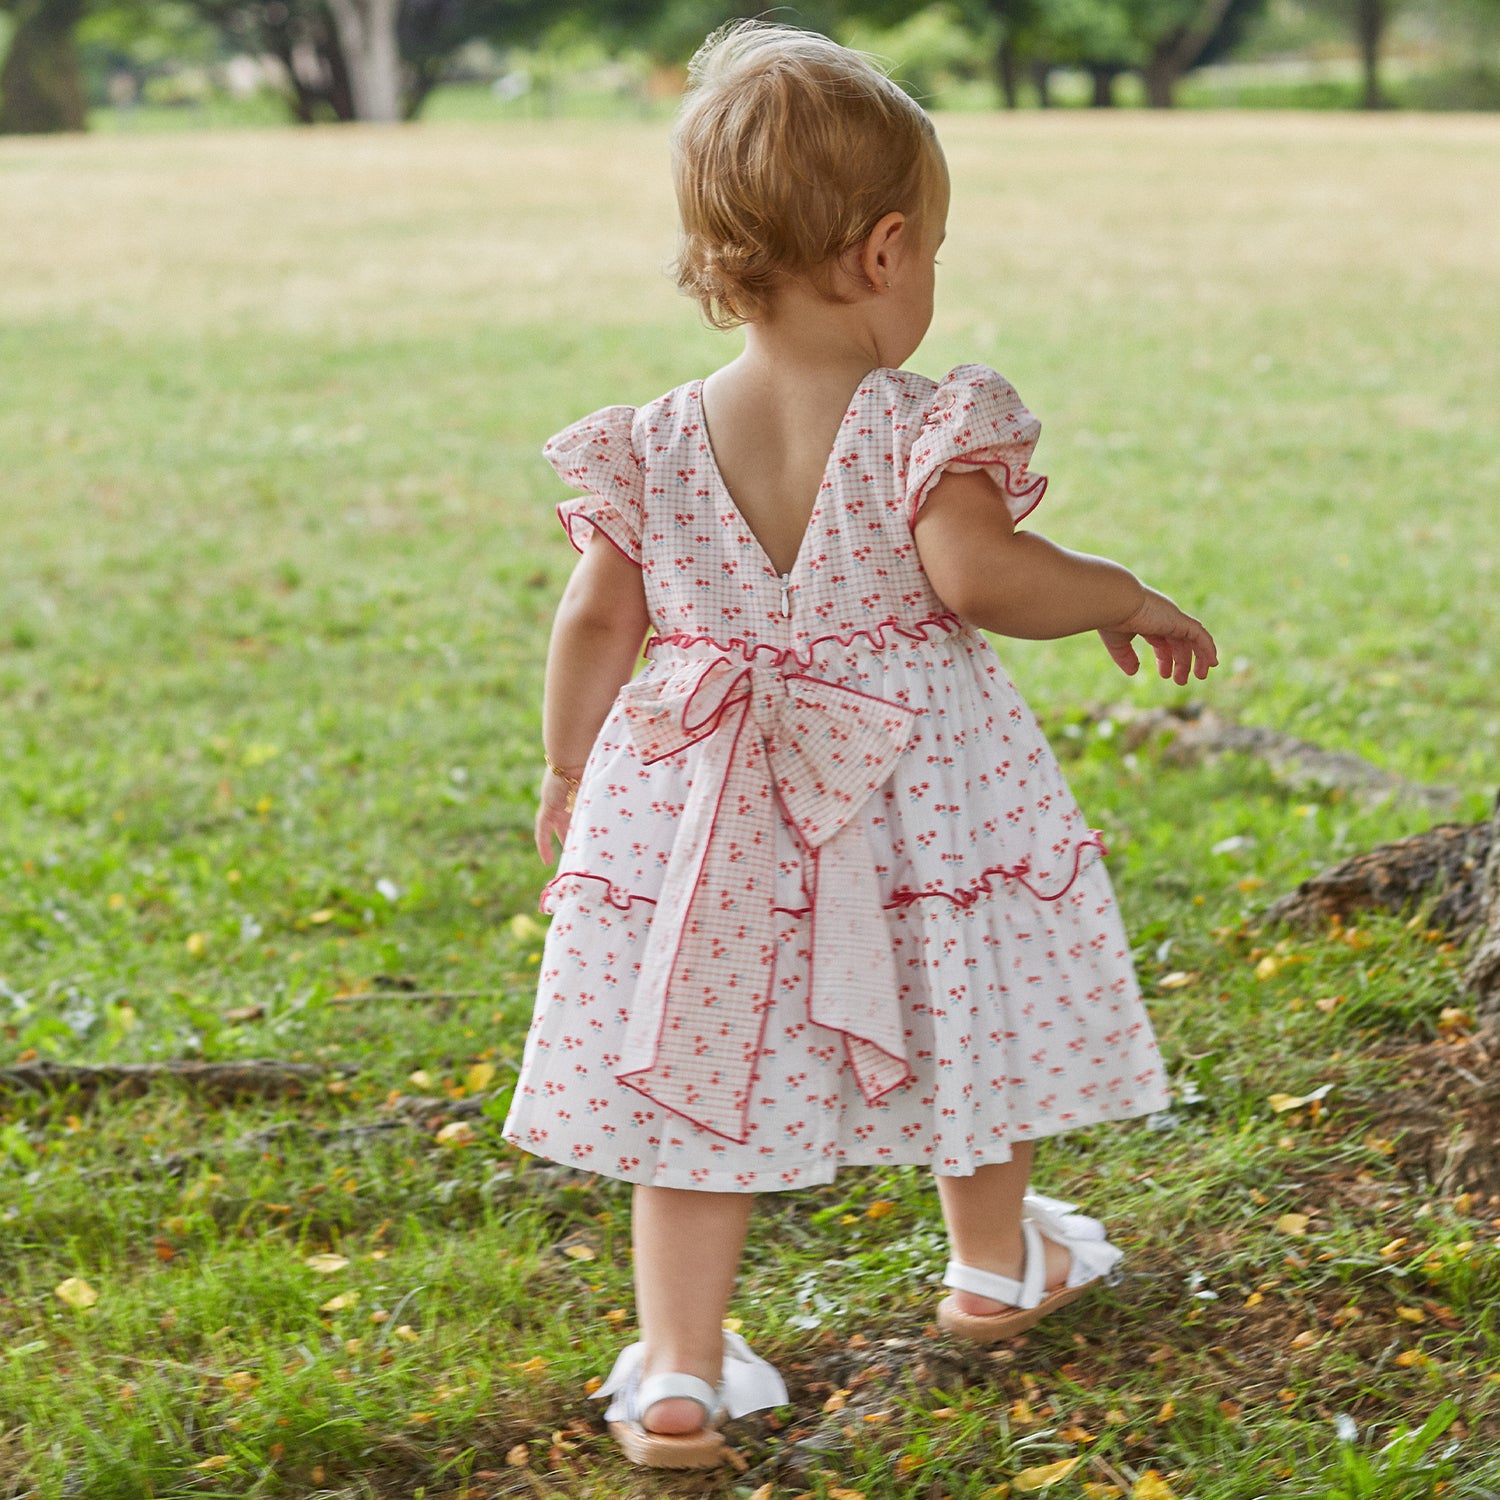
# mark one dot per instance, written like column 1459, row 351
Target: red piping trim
column 1033, row 491
column 568, row 519
column 874, row 636
column 966, row 896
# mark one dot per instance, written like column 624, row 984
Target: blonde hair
column 789, row 149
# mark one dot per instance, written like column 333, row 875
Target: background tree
column 41, row 83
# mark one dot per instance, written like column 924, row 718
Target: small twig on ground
column 394, row 993
column 261, row 1077
column 409, row 1112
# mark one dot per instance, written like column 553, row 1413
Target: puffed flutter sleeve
column 976, row 421
column 596, row 455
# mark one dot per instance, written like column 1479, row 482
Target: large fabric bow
column 705, row 988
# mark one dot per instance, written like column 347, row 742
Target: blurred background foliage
column 70, row 64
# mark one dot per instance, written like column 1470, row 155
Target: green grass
column 276, row 564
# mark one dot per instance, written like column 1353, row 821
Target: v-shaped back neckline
column 814, row 515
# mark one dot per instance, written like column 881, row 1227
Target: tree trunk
column 41, row 85
column 1369, row 24
column 1160, row 77
column 1041, row 77
column 1006, row 72
column 1103, row 96
column 367, row 38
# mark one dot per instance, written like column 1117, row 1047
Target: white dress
column 826, row 898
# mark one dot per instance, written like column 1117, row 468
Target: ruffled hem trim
column 874, row 636
column 768, row 1177
column 985, row 884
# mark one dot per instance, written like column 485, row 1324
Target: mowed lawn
column 277, row 557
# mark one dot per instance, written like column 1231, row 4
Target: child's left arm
column 597, row 635
column 1021, row 584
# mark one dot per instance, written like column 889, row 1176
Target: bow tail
column 854, row 987
column 700, row 1005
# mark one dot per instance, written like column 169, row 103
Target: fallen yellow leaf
column 838, row 1494
column 1176, row 980
column 214, row 1464
column 1097, row 1491
column 1022, row 1414
column 76, row 1292
column 1039, row 1478
column 879, row 1209
column 479, row 1077
column 406, row 1333
column 339, row 1303
column 195, row 944
column 1151, row 1486
column 1167, row 1412
column 579, row 1252
column 326, row 1265
column 1267, row 967
column 457, row 1133
column 241, row 1382
column 1293, row 1224
column 1413, row 1359
column 837, row 1401
column 1305, row 1339
column 421, row 1079
column 1255, row 1299
column 1411, row 1314
column 518, row 1457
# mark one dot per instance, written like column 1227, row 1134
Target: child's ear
column 880, row 251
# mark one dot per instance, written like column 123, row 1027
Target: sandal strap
column 672, row 1387
column 1026, row 1293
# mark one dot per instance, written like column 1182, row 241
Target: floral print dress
column 826, row 898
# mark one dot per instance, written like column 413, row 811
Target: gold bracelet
column 573, row 782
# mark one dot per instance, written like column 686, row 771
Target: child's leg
column 687, row 1254
column 983, row 1215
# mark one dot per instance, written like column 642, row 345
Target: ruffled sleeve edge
column 597, row 455
column 1005, row 461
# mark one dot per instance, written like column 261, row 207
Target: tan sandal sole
column 990, row 1328
column 703, row 1449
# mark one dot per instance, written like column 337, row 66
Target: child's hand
column 1181, row 644
column 555, row 813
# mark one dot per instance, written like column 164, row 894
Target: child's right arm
column 1019, row 583
column 596, row 644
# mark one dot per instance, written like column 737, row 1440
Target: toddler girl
column 824, row 897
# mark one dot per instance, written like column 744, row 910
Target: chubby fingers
column 548, row 823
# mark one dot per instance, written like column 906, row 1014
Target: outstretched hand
column 1183, row 647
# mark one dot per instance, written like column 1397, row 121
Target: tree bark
column 1103, row 96
column 367, row 38
column 1369, row 25
column 41, row 85
column 1482, row 977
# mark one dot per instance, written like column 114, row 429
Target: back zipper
column 786, row 599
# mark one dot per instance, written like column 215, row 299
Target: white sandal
column 747, row 1384
column 1093, row 1259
